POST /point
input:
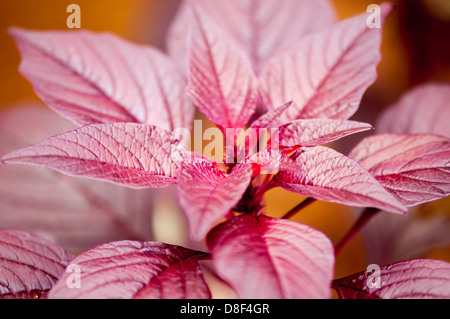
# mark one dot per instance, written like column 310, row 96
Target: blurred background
column 415, row 49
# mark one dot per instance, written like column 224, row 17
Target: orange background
column 415, row 49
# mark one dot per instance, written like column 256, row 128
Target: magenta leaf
column 76, row 214
column 423, row 110
column 412, row 279
column 264, row 257
column 135, row 270
column 318, row 131
column 261, row 28
column 271, row 161
column 327, row 175
column 271, row 119
column 207, row 194
column 221, row 81
column 134, row 155
column 98, row 77
column 29, row 264
column 415, row 168
column 329, row 73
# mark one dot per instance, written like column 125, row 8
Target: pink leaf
column 97, row 78
column 271, row 119
column 135, row 155
column 318, row 131
column 207, row 194
column 272, row 161
column 415, row 168
column 264, row 257
column 29, row 264
column 221, row 81
column 412, row 279
column 325, row 174
column 423, row 110
column 261, row 28
column 76, row 214
column 135, row 270
column 329, row 73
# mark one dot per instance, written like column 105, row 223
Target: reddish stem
column 365, row 217
column 299, row 207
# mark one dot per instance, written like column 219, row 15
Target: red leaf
column 329, row 73
column 261, row 28
column 131, row 269
column 271, row 119
column 207, row 194
column 76, row 214
column 325, row 174
column 29, row 264
column 97, row 78
column 415, row 168
column 263, row 257
column 423, row 110
column 318, row 131
column 221, row 81
column 412, row 279
column 134, row 155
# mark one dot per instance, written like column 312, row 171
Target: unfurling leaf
column 415, row 168
column 412, row 279
column 98, row 78
column 135, row 270
column 207, row 194
column 221, row 81
column 263, row 257
column 134, row 155
column 328, row 74
column 318, row 131
column 29, row 264
column 327, row 175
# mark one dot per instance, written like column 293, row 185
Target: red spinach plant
column 279, row 79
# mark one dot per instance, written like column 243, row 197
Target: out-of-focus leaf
column 29, row 264
column 423, row 110
column 261, row 28
column 77, row 214
column 135, row 270
column 327, row 75
column 415, row 168
column 263, row 257
column 412, row 279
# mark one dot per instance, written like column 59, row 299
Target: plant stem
column 299, row 207
column 359, row 224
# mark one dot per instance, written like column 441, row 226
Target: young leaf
column 29, row 264
column 98, row 78
column 329, row 73
column 271, row 119
column 76, row 214
column 412, row 279
column 134, row 155
column 262, row 28
column 325, row 174
column 423, row 110
column 264, row 257
column 415, row 168
column 135, row 270
column 318, row 131
column 207, row 194
column 221, row 81
column 271, row 161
